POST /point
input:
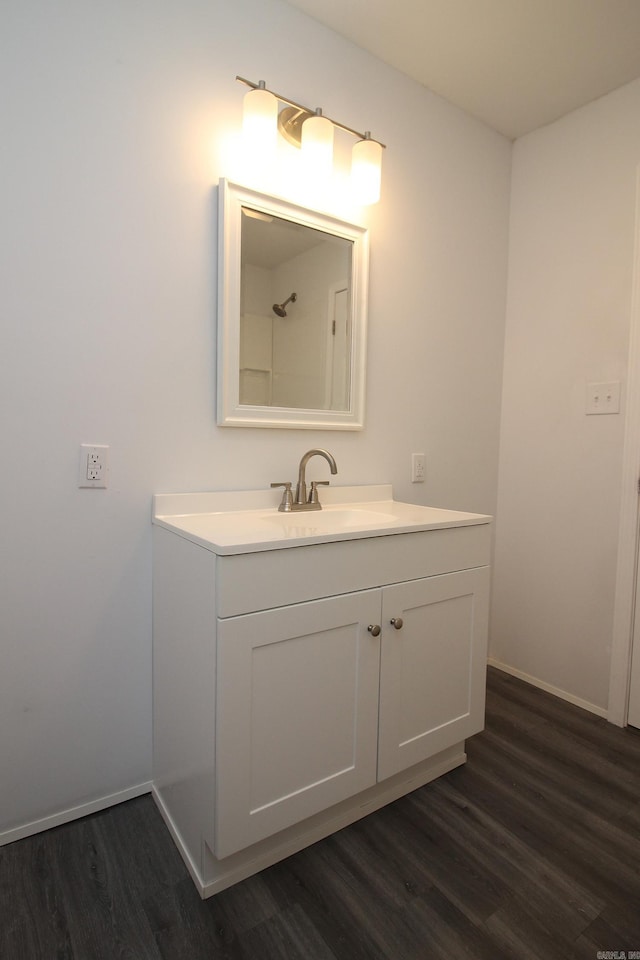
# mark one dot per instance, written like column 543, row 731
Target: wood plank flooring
column 530, row 850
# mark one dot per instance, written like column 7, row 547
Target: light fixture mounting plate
column 290, row 120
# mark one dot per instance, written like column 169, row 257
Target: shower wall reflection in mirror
column 297, row 359
column 295, row 323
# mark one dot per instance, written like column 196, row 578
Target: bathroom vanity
column 308, row 668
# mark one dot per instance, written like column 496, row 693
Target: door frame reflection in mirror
column 232, row 197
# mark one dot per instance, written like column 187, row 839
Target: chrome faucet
column 301, row 501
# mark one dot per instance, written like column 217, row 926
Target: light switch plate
column 603, row 398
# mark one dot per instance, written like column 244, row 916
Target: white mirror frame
column 232, row 197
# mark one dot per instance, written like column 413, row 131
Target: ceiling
column 514, row 64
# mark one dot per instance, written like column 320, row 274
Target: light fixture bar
column 309, row 110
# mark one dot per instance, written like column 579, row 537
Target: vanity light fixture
column 313, row 132
column 316, row 143
column 366, row 162
column 260, row 112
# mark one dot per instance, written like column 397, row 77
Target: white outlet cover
column 93, row 466
column 417, row 467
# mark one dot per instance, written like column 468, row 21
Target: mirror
column 292, row 287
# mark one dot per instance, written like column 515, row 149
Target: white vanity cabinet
column 297, row 714
column 297, row 689
column 312, row 708
column 432, row 670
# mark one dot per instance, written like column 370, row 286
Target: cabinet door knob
column 374, row 629
column 397, row 622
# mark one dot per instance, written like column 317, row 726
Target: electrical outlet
column 603, row 398
column 94, row 465
column 417, row 468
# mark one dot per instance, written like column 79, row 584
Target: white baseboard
column 549, row 688
column 73, row 813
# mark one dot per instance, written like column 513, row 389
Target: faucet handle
column 313, row 496
column 286, row 504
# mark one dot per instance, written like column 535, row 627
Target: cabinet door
column 296, row 714
column 433, row 670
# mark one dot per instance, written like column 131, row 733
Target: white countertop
column 248, row 521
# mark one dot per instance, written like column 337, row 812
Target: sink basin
column 331, row 518
column 247, row 521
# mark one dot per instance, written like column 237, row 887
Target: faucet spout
column 301, row 488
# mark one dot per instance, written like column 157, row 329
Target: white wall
column 113, row 123
column 568, row 313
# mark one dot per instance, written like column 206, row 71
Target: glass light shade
column 317, row 146
column 366, row 171
column 260, row 124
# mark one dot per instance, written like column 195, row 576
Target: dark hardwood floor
column 530, row 850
